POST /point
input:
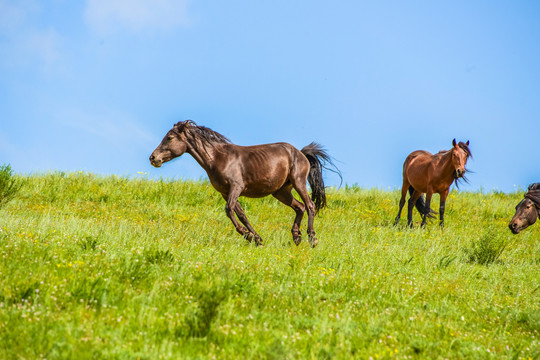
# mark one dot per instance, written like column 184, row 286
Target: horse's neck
column 534, row 196
column 202, row 152
column 447, row 172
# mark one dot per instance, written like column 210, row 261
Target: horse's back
column 280, row 151
column 417, row 158
column 263, row 169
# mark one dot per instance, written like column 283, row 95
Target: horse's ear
column 454, row 142
column 467, row 143
column 179, row 125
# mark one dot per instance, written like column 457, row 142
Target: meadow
column 114, row 267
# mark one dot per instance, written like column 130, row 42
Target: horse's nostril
column 152, row 157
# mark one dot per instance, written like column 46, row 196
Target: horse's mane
column 463, row 146
column 533, row 194
column 207, row 135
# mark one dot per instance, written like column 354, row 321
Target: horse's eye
column 169, row 138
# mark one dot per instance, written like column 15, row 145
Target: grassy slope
column 96, row 267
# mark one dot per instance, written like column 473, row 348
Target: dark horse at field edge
column 252, row 171
column 429, row 174
column 527, row 211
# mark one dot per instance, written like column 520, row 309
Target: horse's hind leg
column 412, row 201
column 284, row 195
column 427, row 210
column 310, row 208
column 404, row 189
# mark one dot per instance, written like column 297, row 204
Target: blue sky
column 94, row 85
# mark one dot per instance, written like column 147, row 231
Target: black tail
column 318, row 158
column 421, row 205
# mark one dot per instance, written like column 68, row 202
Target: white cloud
column 6, row 146
column 105, row 16
column 45, row 44
column 25, row 43
column 14, row 14
column 114, row 127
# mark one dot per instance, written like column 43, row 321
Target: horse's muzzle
column 514, row 227
column 155, row 162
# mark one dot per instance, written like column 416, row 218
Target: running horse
column 252, row 171
column 527, row 211
column 430, row 174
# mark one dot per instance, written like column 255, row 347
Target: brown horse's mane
column 462, row 146
column 207, row 135
column 533, row 194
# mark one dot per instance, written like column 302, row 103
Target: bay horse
column 252, row 171
column 527, row 211
column 429, row 174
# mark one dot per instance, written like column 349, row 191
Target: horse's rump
column 415, row 169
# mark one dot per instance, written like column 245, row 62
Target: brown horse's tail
column 318, row 158
column 421, row 205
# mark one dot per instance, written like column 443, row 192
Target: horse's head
column 526, row 214
column 527, row 211
column 173, row 145
column 460, row 155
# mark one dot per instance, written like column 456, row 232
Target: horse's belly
column 256, row 194
column 265, row 180
column 263, row 188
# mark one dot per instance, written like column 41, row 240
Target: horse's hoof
column 314, row 242
column 258, row 240
column 248, row 236
column 297, row 241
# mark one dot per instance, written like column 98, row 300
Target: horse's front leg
column 250, row 232
column 427, row 209
column 442, row 206
column 232, row 207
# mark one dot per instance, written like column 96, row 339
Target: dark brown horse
column 527, row 211
column 429, row 174
column 252, row 171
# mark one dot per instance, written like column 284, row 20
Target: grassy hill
column 109, row 267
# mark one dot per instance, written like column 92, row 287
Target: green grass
column 115, row 268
